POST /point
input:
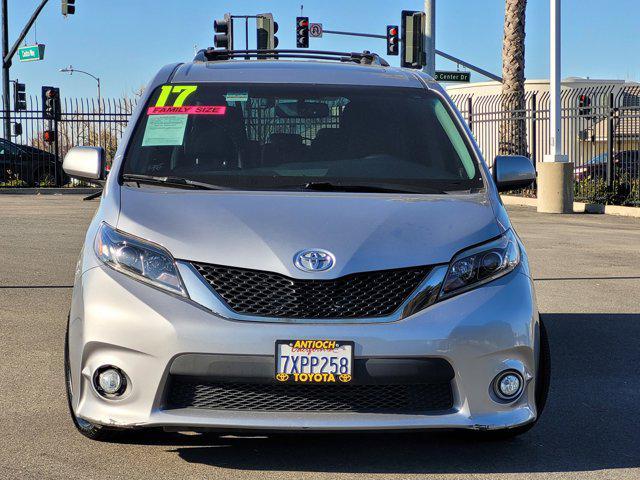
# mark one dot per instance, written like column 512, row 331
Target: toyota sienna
column 288, row 244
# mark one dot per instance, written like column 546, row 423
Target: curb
column 48, row 191
column 578, row 207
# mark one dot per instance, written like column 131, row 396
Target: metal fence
column 28, row 160
column 600, row 135
column 600, row 125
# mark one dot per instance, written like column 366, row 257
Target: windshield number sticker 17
column 182, row 92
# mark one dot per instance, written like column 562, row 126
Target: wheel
column 88, row 429
column 543, row 380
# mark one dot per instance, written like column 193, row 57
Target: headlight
column 142, row 260
column 481, row 264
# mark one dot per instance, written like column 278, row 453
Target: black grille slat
column 359, row 295
column 400, row 399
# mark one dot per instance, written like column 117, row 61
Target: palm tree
column 513, row 130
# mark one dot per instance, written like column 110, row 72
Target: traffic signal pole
column 7, row 55
column 440, row 53
column 5, row 71
column 354, row 34
column 430, row 36
column 468, row 65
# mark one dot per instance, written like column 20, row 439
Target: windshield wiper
column 179, row 182
column 175, row 182
column 365, row 187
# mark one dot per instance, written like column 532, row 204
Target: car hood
column 264, row 230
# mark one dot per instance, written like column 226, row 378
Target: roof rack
column 363, row 58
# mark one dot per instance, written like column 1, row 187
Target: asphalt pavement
column 587, row 271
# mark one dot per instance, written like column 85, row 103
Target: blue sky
column 125, row 41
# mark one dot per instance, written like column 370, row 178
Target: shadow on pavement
column 590, row 421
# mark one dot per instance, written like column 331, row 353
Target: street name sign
column 31, row 53
column 315, row 30
column 443, row 76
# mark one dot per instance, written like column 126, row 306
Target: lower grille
column 401, row 399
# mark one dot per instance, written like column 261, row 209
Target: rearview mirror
column 85, row 163
column 302, row 109
column 511, row 172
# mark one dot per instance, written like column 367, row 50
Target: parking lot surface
column 587, row 271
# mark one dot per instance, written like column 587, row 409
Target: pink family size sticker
column 188, row 110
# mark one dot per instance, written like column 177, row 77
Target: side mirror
column 511, row 172
column 85, row 163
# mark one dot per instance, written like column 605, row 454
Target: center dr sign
column 442, row 76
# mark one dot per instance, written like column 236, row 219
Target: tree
column 513, row 129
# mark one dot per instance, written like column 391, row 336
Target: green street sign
column 443, row 76
column 31, row 53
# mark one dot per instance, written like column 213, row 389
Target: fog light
column 508, row 385
column 110, row 381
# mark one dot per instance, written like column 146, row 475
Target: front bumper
column 116, row 320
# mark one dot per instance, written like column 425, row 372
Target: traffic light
column 49, row 136
column 413, row 28
column 302, row 32
column 68, row 7
column 584, row 105
column 392, row 39
column 51, row 109
column 266, row 28
column 19, row 96
column 224, row 32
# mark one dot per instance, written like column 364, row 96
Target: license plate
column 314, row 361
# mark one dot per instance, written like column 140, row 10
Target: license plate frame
column 287, row 375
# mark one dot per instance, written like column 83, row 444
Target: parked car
column 29, row 166
column 625, row 162
column 302, row 245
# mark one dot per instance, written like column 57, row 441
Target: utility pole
column 555, row 173
column 430, row 36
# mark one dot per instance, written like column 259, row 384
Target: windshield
column 281, row 136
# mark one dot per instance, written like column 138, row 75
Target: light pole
column 555, row 173
column 70, row 70
column 555, row 83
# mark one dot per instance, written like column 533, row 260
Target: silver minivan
column 302, row 244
